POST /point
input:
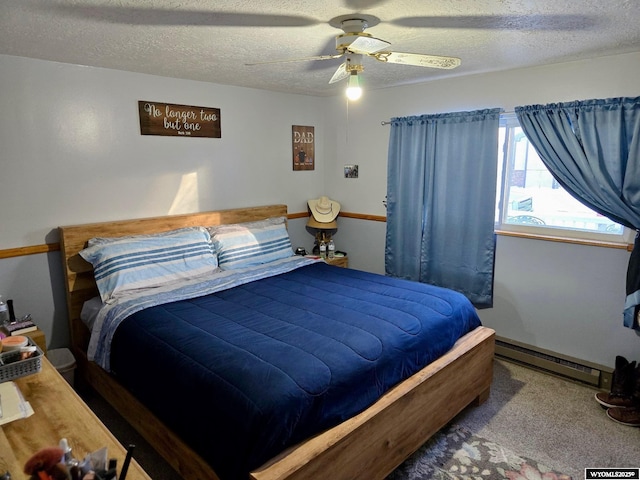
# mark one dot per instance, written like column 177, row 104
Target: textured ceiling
column 213, row 40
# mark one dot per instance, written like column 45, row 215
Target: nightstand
column 338, row 261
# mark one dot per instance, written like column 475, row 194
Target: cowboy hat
column 313, row 223
column 323, row 209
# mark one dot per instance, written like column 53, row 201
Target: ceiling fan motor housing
column 353, row 63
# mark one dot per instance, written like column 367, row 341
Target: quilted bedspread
column 243, row 373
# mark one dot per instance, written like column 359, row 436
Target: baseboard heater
column 581, row 371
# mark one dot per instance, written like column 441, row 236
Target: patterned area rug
column 455, row 454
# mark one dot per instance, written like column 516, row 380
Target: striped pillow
column 247, row 244
column 142, row 261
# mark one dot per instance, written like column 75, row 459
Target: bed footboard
column 372, row 444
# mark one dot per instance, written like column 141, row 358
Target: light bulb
column 354, row 92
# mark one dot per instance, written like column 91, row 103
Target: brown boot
column 629, row 416
column 625, row 416
column 622, row 386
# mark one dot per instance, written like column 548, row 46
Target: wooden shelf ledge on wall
column 359, row 216
column 54, row 247
column 33, row 250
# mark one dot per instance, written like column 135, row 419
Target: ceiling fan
column 354, row 44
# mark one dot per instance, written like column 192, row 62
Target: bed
column 362, row 441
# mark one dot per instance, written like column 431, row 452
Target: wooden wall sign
column 303, row 148
column 178, row 120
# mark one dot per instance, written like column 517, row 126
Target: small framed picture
column 351, row 171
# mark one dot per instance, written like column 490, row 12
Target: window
column 530, row 200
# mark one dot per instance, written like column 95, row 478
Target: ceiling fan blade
column 501, row 22
column 417, row 59
column 329, row 48
column 181, row 17
column 365, row 44
column 292, row 60
column 340, row 74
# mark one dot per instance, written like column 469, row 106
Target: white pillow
column 143, row 261
column 247, row 244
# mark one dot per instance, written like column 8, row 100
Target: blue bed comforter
column 243, row 373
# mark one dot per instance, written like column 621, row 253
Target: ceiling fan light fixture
column 354, row 91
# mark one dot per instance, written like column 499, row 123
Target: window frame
column 554, row 233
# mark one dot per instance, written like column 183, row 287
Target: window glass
column 530, row 199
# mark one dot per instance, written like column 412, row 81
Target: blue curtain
column 592, row 148
column 441, row 195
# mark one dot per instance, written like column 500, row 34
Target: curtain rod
column 501, row 113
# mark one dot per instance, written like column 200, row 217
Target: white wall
column 560, row 297
column 72, row 150
column 72, row 153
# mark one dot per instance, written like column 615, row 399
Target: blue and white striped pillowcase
column 248, row 244
column 144, row 261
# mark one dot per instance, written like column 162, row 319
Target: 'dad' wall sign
column 167, row 119
column 303, row 143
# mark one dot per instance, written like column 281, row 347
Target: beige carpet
column 554, row 421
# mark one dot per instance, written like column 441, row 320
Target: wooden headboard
column 79, row 282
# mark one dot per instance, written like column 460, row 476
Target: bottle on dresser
column 331, row 249
column 4, row 313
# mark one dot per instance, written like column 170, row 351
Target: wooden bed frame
column 368, row 446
